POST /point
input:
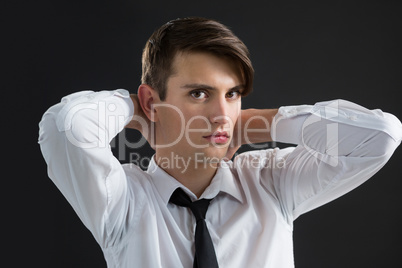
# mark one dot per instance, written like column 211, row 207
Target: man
column 194, row 207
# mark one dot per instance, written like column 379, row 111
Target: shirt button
column 353, row 117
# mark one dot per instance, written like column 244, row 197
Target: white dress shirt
column 256, row 197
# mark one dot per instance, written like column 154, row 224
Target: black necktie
column 204, row 249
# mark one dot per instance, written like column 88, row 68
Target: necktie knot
column 199, row 208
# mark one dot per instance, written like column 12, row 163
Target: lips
column 218, row 137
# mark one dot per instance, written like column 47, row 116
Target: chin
column 212, row 155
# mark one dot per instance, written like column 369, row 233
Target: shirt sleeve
column 74, row 137
column 339, row 146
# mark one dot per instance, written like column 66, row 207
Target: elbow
column 48, row 138
column 386, row 145
column 378, row 137
column 380, row 145
column 385, row 142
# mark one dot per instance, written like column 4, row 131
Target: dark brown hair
column 190, row 35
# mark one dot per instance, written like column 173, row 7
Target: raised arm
column 339, row 146
column 74, row 139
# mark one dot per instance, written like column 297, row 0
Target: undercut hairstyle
column 193, row 34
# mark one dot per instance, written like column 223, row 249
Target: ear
column 147, row 96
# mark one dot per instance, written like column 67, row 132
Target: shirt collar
column 223, row 181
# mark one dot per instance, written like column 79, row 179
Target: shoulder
column 136, row 177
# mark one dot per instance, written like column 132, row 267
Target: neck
column 192, row 172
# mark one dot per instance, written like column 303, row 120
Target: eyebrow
column 205, row 86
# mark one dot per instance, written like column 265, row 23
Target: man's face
column 202, row 105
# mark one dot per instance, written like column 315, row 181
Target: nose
column 219, row 111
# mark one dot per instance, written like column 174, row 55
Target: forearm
column 256, row 125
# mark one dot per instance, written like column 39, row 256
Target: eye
column 233, row 95
column 198, row 94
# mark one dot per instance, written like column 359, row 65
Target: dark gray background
column 303, row 52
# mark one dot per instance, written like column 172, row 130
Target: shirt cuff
column 287, row 123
